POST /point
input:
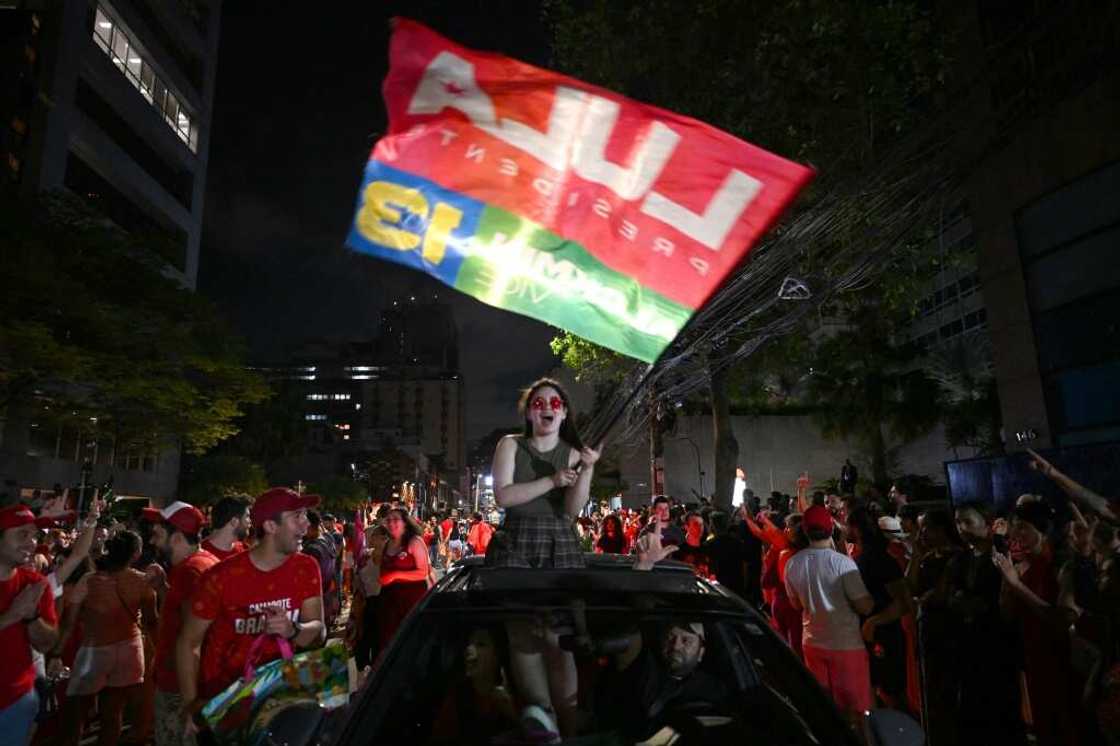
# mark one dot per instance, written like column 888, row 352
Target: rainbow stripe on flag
column 536, row 193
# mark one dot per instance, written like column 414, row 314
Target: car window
column 695, row 678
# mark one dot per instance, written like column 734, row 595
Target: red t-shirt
column 183, row 580
column 233, row 595
column 236, row 548
column 479, row 536
column 17, row 673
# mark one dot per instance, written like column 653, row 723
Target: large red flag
column 538, row 193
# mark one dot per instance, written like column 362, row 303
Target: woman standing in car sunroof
column 536, row 481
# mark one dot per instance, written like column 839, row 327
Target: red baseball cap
column 183, row 516
column 270, row 504
column 15, row 516
column 817, row 518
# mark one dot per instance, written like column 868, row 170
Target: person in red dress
column 786, row 617
column 404, row 573
column 479, row 534
column 1029, row 595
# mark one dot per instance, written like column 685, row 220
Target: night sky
column 297, row 109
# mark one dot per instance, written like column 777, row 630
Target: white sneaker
column 536, row 720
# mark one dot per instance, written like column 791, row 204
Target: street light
column 696, row 450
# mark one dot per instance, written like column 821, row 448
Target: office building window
column 116, row 42
column 178, row 182
column 169, row 242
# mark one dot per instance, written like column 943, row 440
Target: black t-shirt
column 878, row 570
column 671, row 534
column 974, row 584
column 726, row 558
column 754, row 550
column 636, row 699
column 695, row 556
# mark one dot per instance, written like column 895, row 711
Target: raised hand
column 1006, row 566
column 54, row 507
column 650, row 551
column 1039, row 464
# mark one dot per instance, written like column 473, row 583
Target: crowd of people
column 987, row 627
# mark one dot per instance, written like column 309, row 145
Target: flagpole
column 640, row 385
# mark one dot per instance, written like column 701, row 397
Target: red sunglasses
column 555, row 403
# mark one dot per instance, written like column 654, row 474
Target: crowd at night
column 499, row 372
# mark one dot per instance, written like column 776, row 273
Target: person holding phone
column 986, row 680
column 1029, row 596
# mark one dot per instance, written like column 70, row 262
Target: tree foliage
column 273, row 431
column 825, row 82
column 339, row 494
column 870, row 392
column 209, row 478
column 968, row 396
column 821, row 81
column 94, row 332
column 592, row 363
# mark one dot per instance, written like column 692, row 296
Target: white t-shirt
column 825, row 582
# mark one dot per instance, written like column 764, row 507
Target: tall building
column 1045, row 204
column 954, row 308
column 368, row 402
column 112, row 100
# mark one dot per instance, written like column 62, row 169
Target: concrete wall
column 773, row 451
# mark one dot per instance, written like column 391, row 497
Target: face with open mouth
column 546, row 410
column 17, row 545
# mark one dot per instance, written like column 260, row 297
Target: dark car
column 445, row 677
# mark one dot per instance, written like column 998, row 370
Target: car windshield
column 648, row 671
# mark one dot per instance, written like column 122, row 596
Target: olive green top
column 529, row 464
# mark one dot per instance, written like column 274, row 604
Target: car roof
column 605, row 577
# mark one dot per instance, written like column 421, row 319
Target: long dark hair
column 618, row 543
column 943, row 520
column 871, row 537
column 568, row 432
column 119, row 551
column 411, row 527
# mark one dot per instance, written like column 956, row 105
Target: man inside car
column 644, row 686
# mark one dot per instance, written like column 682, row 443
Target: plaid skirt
column 535, row 541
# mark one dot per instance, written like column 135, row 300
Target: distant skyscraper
column 401, row 390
